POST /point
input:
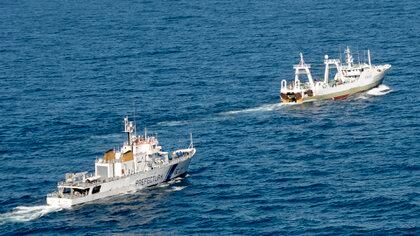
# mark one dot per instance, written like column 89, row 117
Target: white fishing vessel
column 349, row 78
column 139, row 163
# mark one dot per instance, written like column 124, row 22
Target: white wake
column 27, row 213
column 379, row 91
column 262, row 108
column 177, row 188
column 224, row 115
column 174, row 123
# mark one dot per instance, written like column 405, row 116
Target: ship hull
column 337, row 92
column 343, row 93
column 126, row 184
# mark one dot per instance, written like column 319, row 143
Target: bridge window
column 80, row 192
column 96, row 189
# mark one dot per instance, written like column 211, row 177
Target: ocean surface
column 71, row 70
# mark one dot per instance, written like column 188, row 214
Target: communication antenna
column 339, row 53
column 364, row 56
column 191, row 141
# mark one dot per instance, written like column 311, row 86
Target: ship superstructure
column 349, row 78
column 138, row 163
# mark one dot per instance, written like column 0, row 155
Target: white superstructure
column 139, row 163
column 350, row 78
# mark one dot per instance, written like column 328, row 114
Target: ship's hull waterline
column 137, row 164
column 341, row 94
column 350, row 78
column 126, row 184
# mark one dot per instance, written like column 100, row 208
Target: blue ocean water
column 70, row 71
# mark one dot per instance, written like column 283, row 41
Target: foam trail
column 379, row 91
column 362, row 97
column 173, row 123
column 262, row 108
column 164, row 185
column 177, row 188
column 27, row 213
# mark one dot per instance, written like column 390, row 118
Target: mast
column 368, row 52
column 349, row 58
column 327, row 69
column 191, row 141
column 128, row 128
column 340, row 56
column 303, row 68
column 331, row 63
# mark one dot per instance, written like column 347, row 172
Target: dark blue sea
column 70, row 70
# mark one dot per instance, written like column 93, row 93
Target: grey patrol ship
column 138, row 163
